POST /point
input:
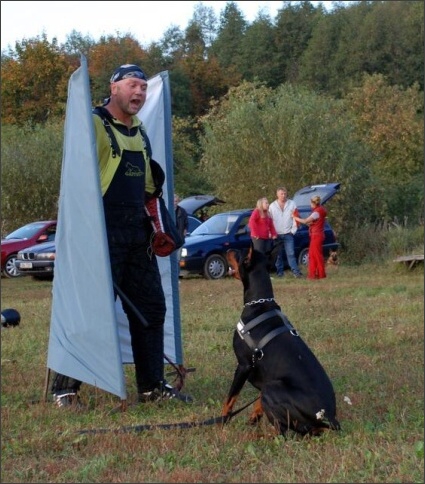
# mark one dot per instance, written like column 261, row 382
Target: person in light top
column 281, row 211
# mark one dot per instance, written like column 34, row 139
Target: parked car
column 26, row 236
column 204, row 250
column 194, row 223
column 37, row 261
column 195, row 207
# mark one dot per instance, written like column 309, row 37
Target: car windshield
column 219, row 224
column 25, row 232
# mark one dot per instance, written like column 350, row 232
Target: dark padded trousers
column 135, row 271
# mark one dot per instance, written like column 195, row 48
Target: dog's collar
column 259, row 301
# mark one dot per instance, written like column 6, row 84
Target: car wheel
column 215, row 267
column 9, row 268
column 303, row 258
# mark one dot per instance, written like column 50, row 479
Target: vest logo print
column 132, row 170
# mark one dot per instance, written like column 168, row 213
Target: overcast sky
column 146, row 21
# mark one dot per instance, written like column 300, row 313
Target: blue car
column 196, row 207
column 204, row 250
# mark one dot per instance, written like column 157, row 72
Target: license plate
column 25, row 265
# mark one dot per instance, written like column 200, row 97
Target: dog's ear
column 276, row 246
column 248, row 255
column 273, row 253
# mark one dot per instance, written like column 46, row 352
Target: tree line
column 326, row 51
column 310, row 96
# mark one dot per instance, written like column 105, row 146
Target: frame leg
column 46, row 384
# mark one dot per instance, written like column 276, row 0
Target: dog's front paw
column 257, row 412
column 254, row 418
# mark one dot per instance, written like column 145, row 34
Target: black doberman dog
column 295, row 391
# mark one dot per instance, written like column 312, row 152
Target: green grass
column 364, row 323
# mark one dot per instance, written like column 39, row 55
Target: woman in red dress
column 316, row 223
column 262, row 227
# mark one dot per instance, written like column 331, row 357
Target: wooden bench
column 410, row 260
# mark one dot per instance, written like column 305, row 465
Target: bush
column 404, row 240
column 31, row 169
column 380, row 242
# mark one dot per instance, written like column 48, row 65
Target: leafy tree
column 188, row 178
column 194, row 77
column 257, row 139
column 413, row 47
column 206, row 82
column 326, row 59
column 171, row 45
column 293, row 31
column 227, row 45
column 34, row 82
column 155, row 61
column 366, row 37
column 76, row 45
column 205, row 18
column 258, row 53
column 204, row 74
column 194, row 41
column 390, row 120
column 182, row 103
column 392, row 34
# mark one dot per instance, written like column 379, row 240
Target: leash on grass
column 181, row 374
column 167, row 426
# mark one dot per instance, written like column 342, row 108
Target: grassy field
column 365, row 324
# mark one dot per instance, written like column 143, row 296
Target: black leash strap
column 142, row 319
column 167, row 426
column 179, row 425
column 125, row 298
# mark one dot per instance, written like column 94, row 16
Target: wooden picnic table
column 410, row 260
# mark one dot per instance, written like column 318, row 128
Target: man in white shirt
column 281, row 211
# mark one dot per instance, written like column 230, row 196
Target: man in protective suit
column 129, row 177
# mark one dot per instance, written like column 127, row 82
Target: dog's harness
column 257, row 347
